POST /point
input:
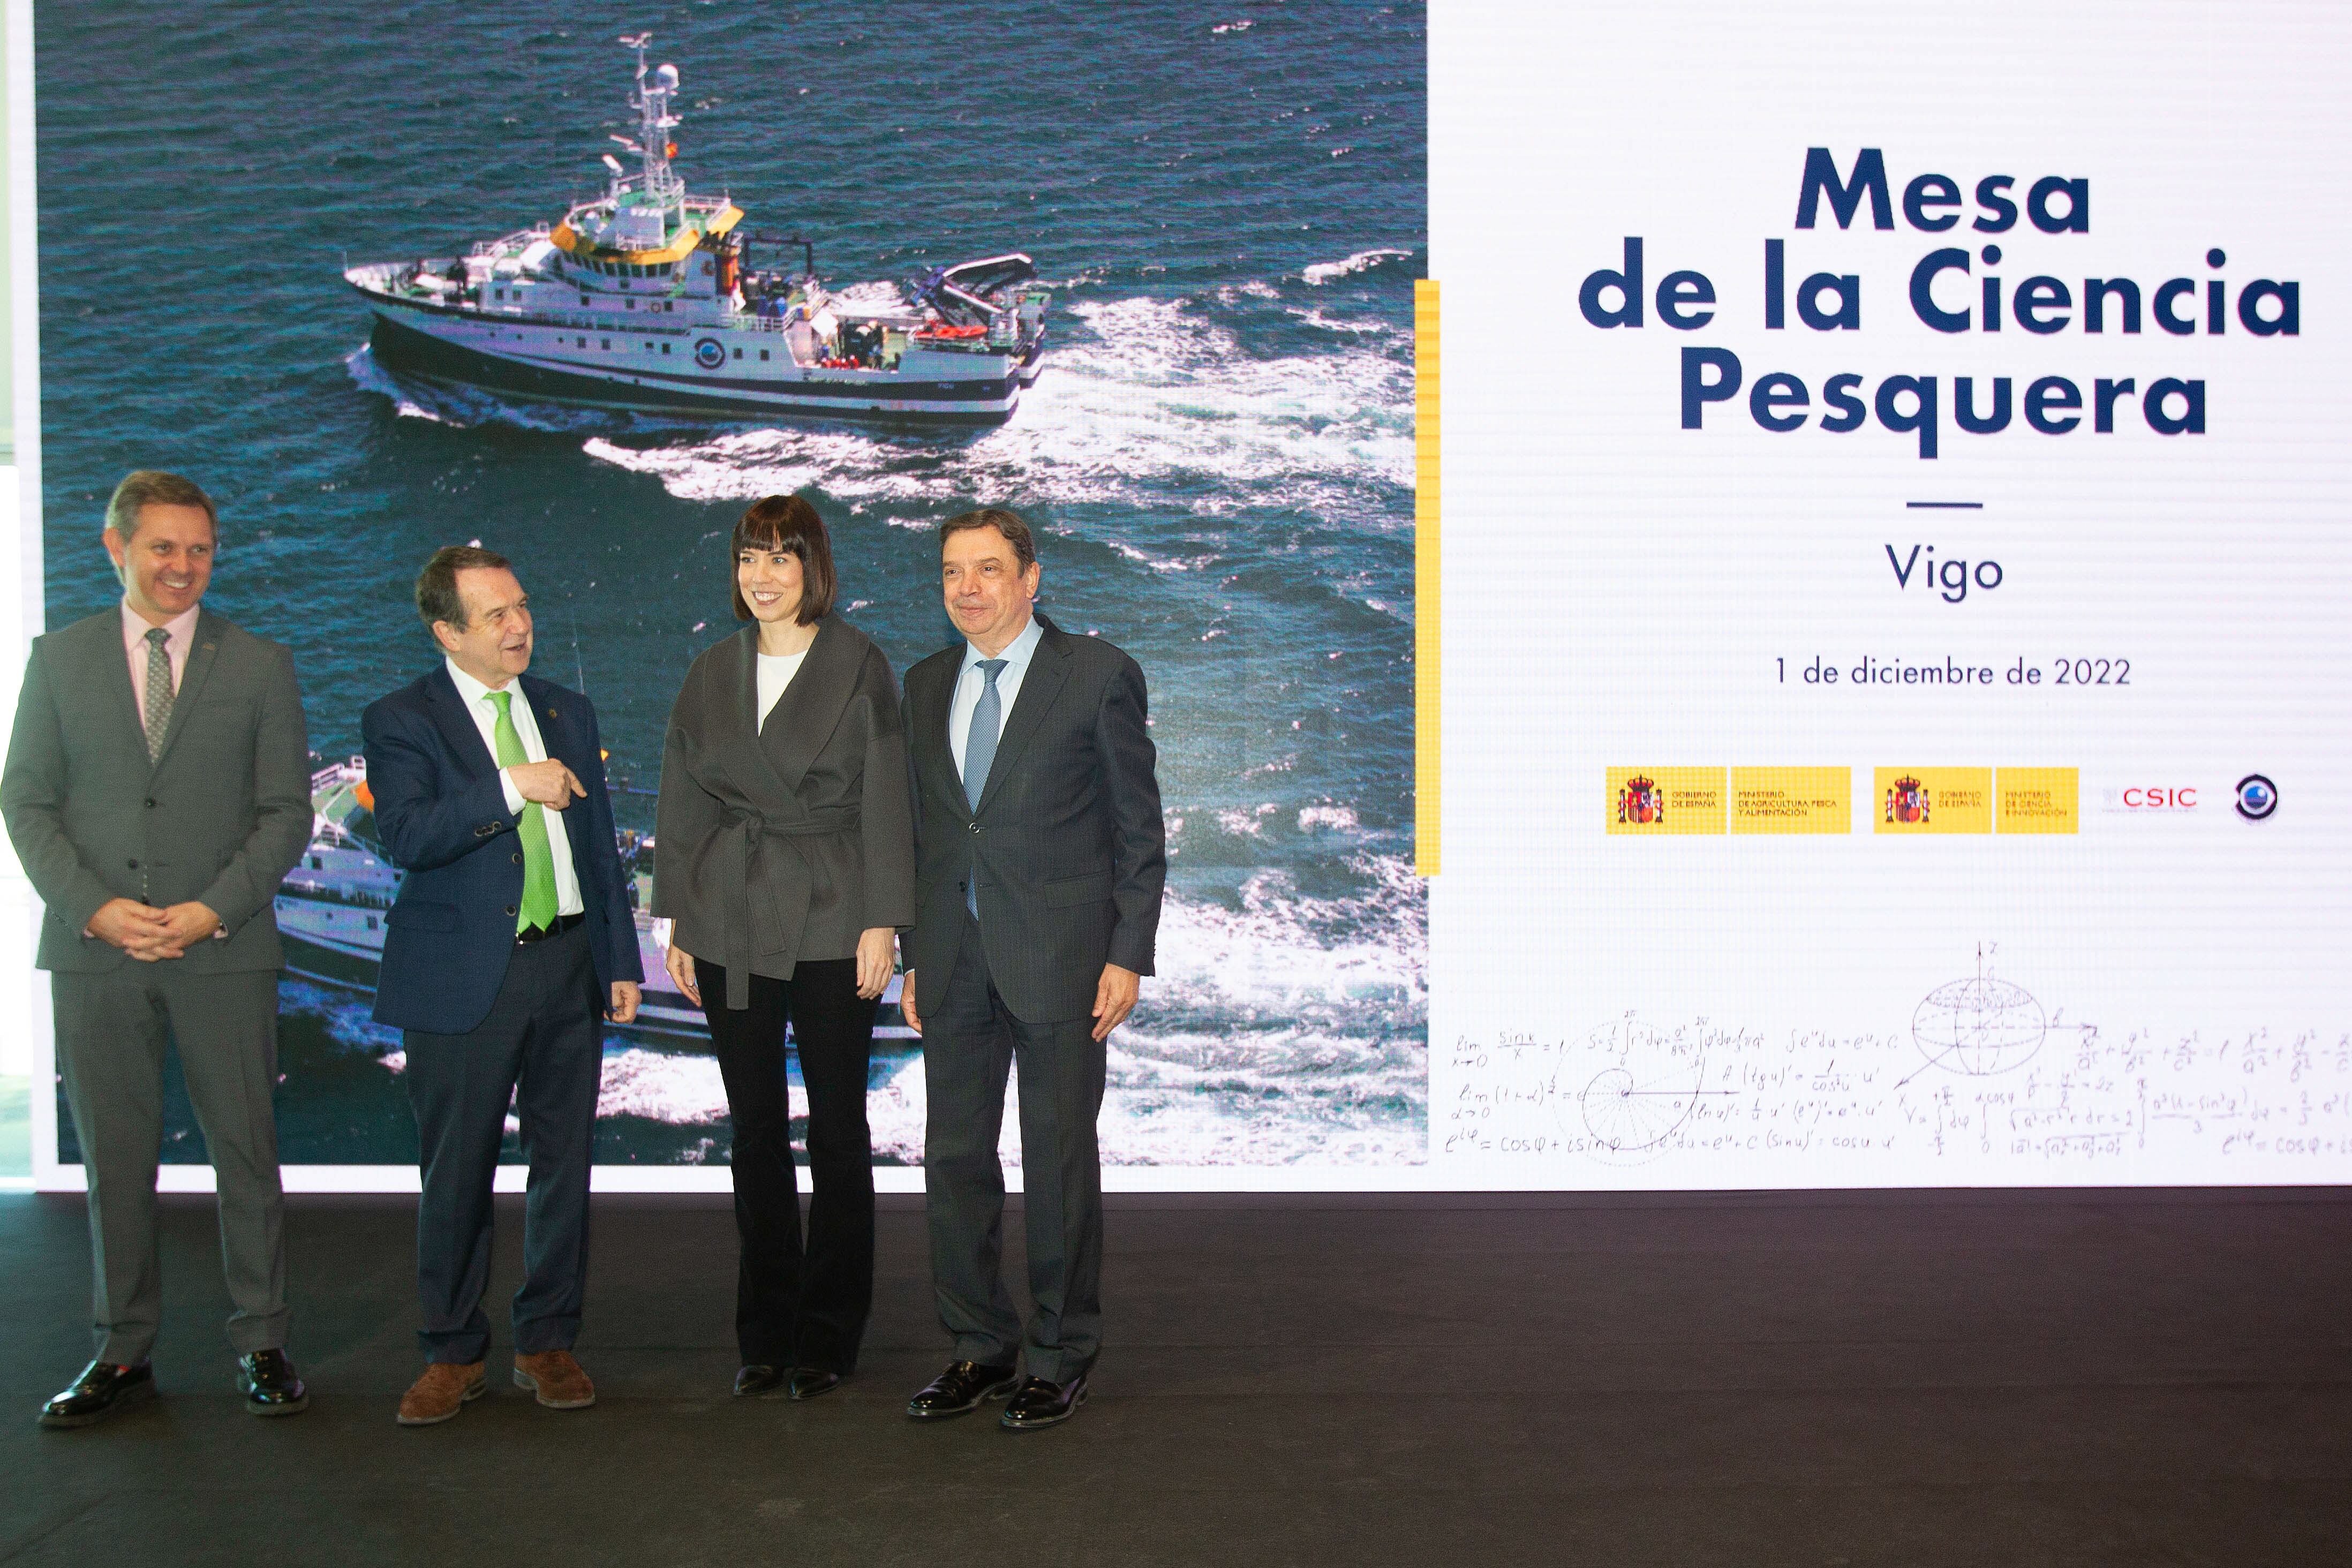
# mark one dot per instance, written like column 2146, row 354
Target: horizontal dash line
column 1945, row 505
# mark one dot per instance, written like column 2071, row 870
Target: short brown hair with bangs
column 786, row 522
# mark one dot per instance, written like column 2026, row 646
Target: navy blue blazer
column 441, row 812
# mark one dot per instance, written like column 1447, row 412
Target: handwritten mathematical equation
column 1637, row 1093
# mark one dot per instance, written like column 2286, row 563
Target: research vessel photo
column 648, row 299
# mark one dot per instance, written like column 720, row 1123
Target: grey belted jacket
column 779, row 843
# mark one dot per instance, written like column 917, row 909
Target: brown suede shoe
column 441, row 1393
column 556, row 1379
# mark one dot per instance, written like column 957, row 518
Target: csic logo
column 2141, row 799
column 709, row 354
column 2257, row 797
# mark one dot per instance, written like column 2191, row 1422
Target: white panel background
column 1616, row 590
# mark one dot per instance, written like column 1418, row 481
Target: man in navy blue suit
column 510, row 942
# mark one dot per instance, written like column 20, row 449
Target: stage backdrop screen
column 1733, row 596
column 1895, row 538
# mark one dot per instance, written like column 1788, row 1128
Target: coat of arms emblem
column 1641, row 801
column 1906, row 801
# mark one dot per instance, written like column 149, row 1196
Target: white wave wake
column 1363, row 261
column 1146, row 391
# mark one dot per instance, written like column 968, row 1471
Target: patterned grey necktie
column 979, row 752
column 159, row 691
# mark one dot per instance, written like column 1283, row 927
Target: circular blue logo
column 2257, row 797
column 709, row 354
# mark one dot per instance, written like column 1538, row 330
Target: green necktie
column 539, row 904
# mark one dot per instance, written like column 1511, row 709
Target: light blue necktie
column 979, row 752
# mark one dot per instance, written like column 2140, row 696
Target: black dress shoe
column 959, row 1390
column 102, row 1389
column 808, row 1382
column 269, row 1383
column 758, row 1381
column 1037, row 1403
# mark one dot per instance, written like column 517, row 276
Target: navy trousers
column 541, row 1049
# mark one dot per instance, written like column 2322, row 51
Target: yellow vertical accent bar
column 1425, row 683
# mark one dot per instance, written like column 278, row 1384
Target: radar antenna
column 651, row 100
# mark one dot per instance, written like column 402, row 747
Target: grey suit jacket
column 781, row 842
column 220, row 816
column 1067, row 840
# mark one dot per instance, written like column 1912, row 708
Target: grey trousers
column 111, row 1029
column 969, row 1043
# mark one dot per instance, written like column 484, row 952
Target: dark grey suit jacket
column 781, row 842
column 1067, row 839
column 220, row 816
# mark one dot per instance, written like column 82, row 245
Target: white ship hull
column 741, row 368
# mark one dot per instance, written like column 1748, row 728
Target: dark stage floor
column 2005, row 1378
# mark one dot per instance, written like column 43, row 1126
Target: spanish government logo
column 1906, row 801
column 1932, row 800
column 2257, row 797
column 1641, row 801
column 1644, row 801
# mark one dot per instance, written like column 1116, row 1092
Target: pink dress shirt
column 179, row 636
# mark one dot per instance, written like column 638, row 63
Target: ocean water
column 1230, row 203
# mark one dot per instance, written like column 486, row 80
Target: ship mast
column 660, row 185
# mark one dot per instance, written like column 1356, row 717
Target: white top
column 971, row 681
column 776, row 672
column 179, row 633
column 484, row 713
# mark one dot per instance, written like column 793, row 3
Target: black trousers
column 798, row 1306
column 542, row 1046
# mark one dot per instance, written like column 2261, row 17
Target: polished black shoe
column 1037, row 1403
column 959, row 1390
column 102, row 1389
column 808, row 1382
column 757, row 1381
column 269, row 1383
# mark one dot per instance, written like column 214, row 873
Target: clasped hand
column 150, row 934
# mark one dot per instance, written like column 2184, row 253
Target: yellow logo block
column 1933, row 800
column 2040, row 800
column 1792, row 800
column 1665, row 800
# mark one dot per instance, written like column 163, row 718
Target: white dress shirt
column 179, row 634
column 485, row 714
column 776, row 672
column 972, row 680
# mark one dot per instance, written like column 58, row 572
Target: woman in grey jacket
column 783, row 853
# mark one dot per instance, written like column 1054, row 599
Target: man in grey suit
column 158, row 790
column 1040, row 860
